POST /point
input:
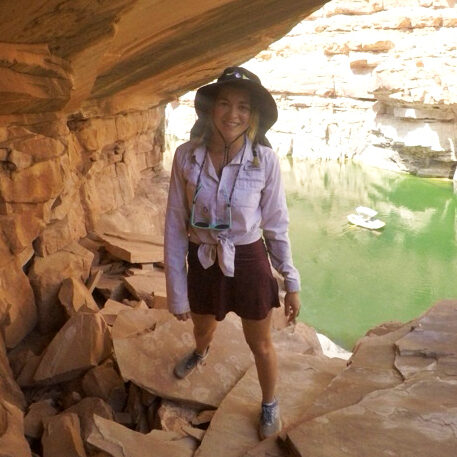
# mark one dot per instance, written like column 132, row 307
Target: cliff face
column 375, row 81
column 82, row 87
column 369, row 80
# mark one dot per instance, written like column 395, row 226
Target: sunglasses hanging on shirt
column 222, row 225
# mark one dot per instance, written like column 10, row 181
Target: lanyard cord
column 227, row 146
column 234, row 181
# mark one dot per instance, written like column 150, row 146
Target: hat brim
column 260, row 98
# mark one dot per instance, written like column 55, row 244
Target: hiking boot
column 186, row 365
column 270, row 421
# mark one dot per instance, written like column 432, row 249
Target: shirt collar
column 199, row 152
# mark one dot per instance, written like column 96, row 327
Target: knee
column 204, row 332
column 261, row 348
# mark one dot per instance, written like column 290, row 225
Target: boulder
column 104, row 381
column 17, row 310
column 12, row 439
column 46, row 276
column 68, row 355
column 75, row 296
column 37, row 414
column 62, row 437
column 86, row 409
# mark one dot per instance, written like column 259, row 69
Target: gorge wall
column 374, row 81
column 82, row 89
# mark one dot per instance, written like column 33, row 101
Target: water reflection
column 354, row 278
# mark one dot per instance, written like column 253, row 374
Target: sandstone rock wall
column 82, row 88
column 375, row 80
column 367, row 79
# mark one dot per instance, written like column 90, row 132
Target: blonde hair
column 203, row 129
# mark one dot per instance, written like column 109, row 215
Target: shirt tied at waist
column 224, row 250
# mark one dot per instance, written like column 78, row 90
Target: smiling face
column 231, row 112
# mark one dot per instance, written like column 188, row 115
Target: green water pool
column 354, row 278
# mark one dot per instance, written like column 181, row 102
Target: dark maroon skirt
column 251, row 293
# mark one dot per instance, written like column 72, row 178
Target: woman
column 225, row 193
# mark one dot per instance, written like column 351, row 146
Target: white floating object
column 364, row 218
column 367, row 213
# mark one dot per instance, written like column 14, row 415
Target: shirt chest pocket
column 248, row 187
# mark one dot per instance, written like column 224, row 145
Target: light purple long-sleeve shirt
column 258, row 207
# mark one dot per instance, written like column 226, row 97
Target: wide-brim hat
column 239, row 76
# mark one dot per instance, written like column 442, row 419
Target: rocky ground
column 102, row 384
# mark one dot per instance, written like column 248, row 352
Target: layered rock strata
column 368, row 80
column 81, row 122
column 82, row 89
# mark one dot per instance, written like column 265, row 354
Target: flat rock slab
column 435, row 334
column 147, row 354
column 112, row 308
column 120, row 441
column 370, row 368
column 134, row 248
column 233, row 429
column 148, row 285
column 414, row 419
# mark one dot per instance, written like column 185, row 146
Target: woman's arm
column 176, row 240
column 275, row 224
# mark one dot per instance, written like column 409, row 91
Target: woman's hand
column 291, row 306
column 183, row 316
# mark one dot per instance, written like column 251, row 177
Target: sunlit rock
column 133, row 247
column 119, row 441
column 301, row 379
column 17, row 303
column 46, row 276
column 68, row 355
column 406, row 414
column 159, row 346
column 112, row 308
column 147, row 285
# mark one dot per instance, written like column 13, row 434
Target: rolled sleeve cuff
column 179, row 308
column 292, row 285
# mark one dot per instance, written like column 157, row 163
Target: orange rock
column 35, row 417
column 17, row 309
column 62, row 437
column 68, row 354
column 105, row 382
column 46, row 276
column 74, row 296
column 12, row 439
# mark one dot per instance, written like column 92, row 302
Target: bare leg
column 204, row 328
column 258, row 337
